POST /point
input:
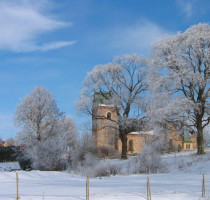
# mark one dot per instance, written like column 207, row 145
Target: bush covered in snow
column 48, row 155
column 148, row 161
column 83, row 155
column 48, row 136
column 107, row 152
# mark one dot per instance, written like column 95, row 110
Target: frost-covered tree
column 67, row 130
column 85, row 146
column 206, row 133
column 46, row 133
column 124, row 82
column 36, row 114
column 53, row 152
column 10, row 141
column 180, row 79
column 49, row 154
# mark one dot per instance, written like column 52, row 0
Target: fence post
column 43, row 194
column 149, row 196
column 147, row 190
column 17, row 186
column 87, row 188
column 203, row 187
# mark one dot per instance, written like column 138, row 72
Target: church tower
column 104, row 121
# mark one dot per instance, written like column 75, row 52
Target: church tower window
column 109, row 115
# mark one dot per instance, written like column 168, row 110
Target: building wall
column 4, row 144
column 194, row 141
column 178, row 140
column 193, row 144
column 174, row 139
column 105, row 130
column 138, row 143
column 106, row 133
column 185, row 144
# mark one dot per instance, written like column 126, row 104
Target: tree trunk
column 200, row 141
column 123, row 138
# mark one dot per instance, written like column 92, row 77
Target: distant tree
column 124, row 82
column 10, row 141
column 36, row 115
column 180, row 79
column 46, row 132
column 68, row 130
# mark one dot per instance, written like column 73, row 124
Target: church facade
column 105, row 131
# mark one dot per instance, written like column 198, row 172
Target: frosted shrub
column 148, row 161
column 83, row 156
column 107, row 152
column 86, row 166
column 181, row 164
column 47, row 155
column 159, row 146
column 106, row 169
column 48, row 136
column 101, row 170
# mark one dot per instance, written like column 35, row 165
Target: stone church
column 105, row 130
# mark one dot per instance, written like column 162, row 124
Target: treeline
column 9, row 154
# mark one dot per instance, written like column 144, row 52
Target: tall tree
column 124, row 81
column 37, row 113
column 46, row 132
column 180, row 79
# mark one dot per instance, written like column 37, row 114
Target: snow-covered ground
column 183, row 181
column 9, row 166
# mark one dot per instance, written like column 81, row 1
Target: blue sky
column 55, row 43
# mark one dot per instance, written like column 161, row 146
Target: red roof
column 2, row 143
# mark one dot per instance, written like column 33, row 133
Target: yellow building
column 104, row 122
column 136, row 141
column 174, row 139
column 4, row 144
column 105, row 130
column 105, row 127
column 189, row 142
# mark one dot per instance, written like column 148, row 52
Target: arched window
column 179, row 148
column 130, row 147
column 170, row 143
column 109, row 115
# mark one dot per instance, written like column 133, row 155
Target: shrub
column 47, row 155
column 25, row 164
column 107, row 152
column 84, row 149
column 148, row 161
column 86, row 166
column 106, row 169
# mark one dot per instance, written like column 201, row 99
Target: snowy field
column 183, row 181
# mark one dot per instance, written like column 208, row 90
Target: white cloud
column 55, row 45
column 186, row 6
column 22, row 22
column 141, row 35
column 134, row 38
